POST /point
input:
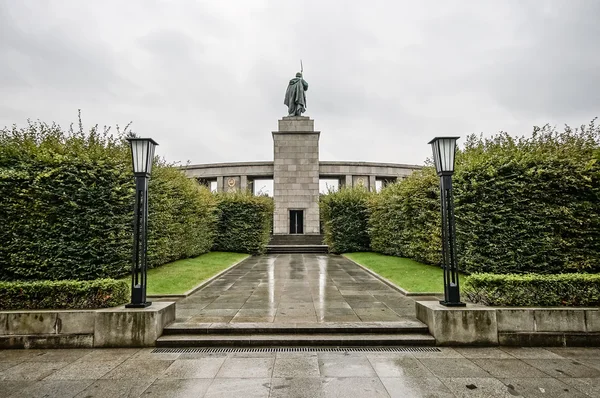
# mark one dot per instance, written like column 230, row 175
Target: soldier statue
column 295, row 96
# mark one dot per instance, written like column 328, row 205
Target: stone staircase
column 281, row 244
column 331, row 334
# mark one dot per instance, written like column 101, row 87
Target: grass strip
column 182, row 275
column 410, row 275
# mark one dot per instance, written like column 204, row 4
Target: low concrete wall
column 479, row 325
column 110, row 327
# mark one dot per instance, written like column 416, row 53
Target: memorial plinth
column 296, row 176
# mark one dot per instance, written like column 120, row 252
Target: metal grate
column 176, row 350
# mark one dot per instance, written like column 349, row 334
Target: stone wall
column 109, row 327
column 488, row 326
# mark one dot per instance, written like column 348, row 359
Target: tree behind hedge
column 405, row 218
column 345, row 216
column 66, row 200
column 530, row 204
column 244, row 224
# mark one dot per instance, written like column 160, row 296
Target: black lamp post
column 444, row 149
column 142, row 153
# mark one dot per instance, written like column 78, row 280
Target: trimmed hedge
column 405, row 218
column 182, row 217
column 345, row 217
column 66, row 200
column 66, row 294
column 533, row 289
column 522, row 205
column 530, row 204
column 244, row 224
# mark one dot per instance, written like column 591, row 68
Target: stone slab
column 471, row 325
column 132, row 327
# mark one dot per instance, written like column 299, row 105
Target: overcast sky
column 206, row 79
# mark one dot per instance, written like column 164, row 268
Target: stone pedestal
column 296, row 173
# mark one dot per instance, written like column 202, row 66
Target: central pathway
column 296, row 288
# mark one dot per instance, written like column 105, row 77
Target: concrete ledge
column 478, row 325
column 471, row 325
column 111, row 327
column 132, row 327
column 200, row 285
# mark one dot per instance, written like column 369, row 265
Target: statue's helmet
column 298, row 74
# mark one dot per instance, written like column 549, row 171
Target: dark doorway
column 296, row 221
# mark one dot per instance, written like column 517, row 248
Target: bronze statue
column 295, row 96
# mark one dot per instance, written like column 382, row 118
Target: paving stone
column 19, row 355
column 10, row 387
column 345, row 366
column 488, row 352
column 125, row 388
column 589, row 386
column 297, row 387
column 79, row 370
column 176, row 388
column 110, row 354
column 477, row 387
column 247, row 368
column 193, row 368
column 6, row 365
column 133, row 369
column 239, row 388
column 355, row 387
column 31, row 370
column 542, row 387
column 563, row 367
column 298, row 366
column 399, row 366
column 53, row 389
column 453, row 367
column 409, row 387
column 508, row 368
column 530, row 352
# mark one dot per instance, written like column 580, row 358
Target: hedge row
column 405, row 218
column 66, row 200
column 345, row 216
column 526, row 205
column 245, row 223
column 66, row 294
column 530, row 204
column 533, row 289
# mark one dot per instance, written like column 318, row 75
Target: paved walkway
column 475, row 372
column 296, row 288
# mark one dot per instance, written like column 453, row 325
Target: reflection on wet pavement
column 296, row 288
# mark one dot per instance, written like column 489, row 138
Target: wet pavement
column 296, row 288
column 466, row 372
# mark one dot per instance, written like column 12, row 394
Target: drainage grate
column 291, row 349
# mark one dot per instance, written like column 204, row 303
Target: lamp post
column 142, row 155
column 444, row 149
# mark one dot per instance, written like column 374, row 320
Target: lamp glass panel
column 144, row 156
column 448, row 146
column 150, row 159
column 135, row 150
column 435, row 146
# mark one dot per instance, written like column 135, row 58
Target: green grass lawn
column 180, row 276
column 408, row 274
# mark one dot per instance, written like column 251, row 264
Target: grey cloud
column 207, row 79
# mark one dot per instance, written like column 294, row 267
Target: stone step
column 408, row 326
column 295, row 340
column 284, row 249
column 296, row 240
